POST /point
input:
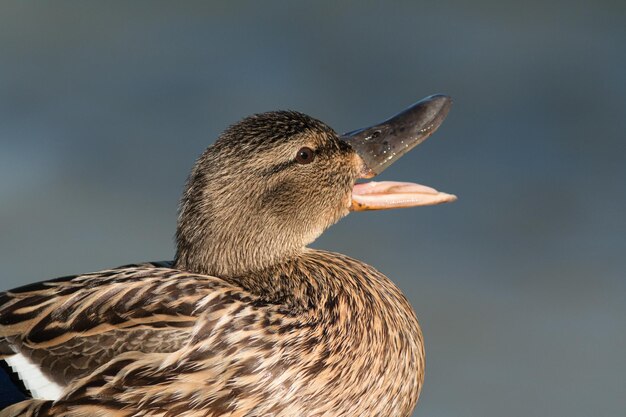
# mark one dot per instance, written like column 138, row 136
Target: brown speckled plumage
column 246, row 321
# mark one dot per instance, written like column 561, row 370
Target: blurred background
column 520, row 285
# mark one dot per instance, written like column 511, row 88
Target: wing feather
column 71, row 325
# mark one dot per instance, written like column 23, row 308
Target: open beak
column 381, row 145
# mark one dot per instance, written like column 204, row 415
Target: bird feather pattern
column 218, row 349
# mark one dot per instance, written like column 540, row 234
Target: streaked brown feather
column 72, row 326
column 327, row 324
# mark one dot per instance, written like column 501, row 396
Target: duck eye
column 305, row 156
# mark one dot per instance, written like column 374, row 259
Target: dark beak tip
column 431, row 111
column 437, row 103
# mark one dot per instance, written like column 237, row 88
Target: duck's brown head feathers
column 269, row 186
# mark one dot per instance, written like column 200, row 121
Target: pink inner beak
column 392, row 194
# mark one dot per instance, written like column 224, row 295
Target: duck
column 247, row 319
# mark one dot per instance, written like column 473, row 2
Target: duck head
column 272, row 183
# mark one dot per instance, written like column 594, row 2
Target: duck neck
column 224, row 238
column 293, row 283
column 228, row 258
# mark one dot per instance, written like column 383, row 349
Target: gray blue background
column 520, row 285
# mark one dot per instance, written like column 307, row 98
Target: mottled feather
column 327, row 324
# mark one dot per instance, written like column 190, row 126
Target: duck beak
column 381, row 145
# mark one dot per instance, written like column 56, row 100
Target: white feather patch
column 39, row 385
